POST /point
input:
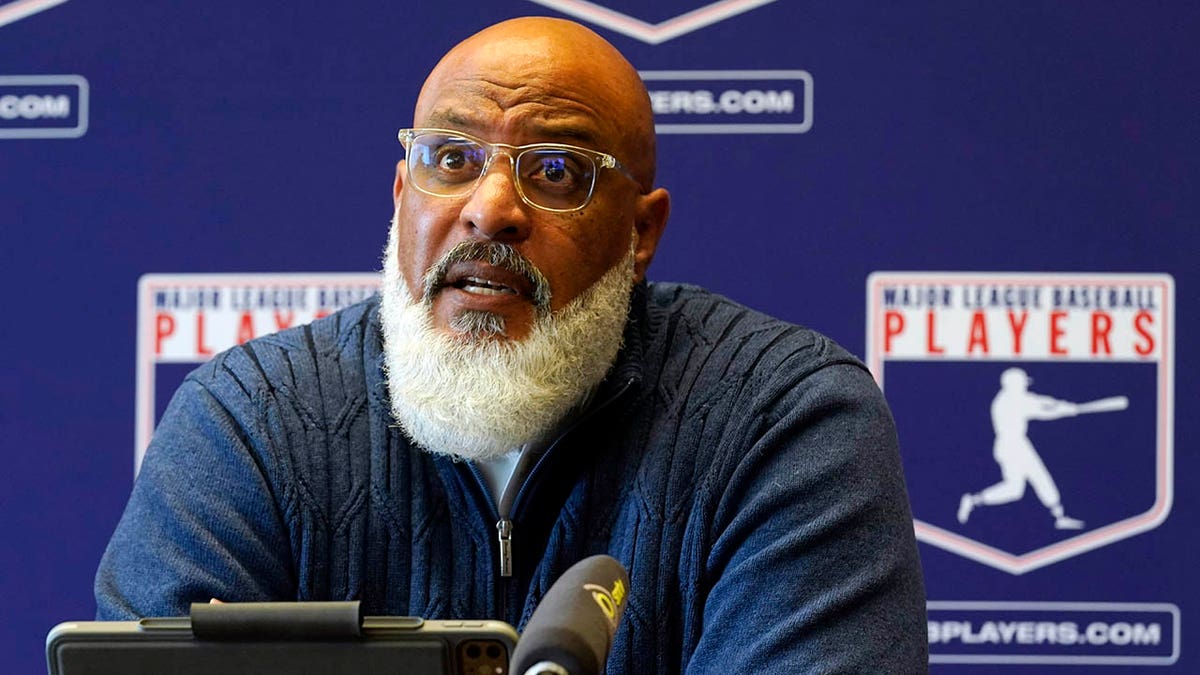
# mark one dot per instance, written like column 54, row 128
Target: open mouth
column 479, row 278
column 491, row 273
column 473, row 284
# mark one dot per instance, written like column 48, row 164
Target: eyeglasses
column 550, row 176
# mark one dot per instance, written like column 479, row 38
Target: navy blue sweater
column 743, row 469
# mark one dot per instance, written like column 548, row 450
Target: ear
column 401, row 172
column 653, row 209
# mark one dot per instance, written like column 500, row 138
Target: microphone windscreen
column 574, row 624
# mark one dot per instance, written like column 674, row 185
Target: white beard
column 474, row 396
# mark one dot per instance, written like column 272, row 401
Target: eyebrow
column 448, row 118
column 566, row 132
column 549, row 129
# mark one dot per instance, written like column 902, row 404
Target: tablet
column 300, row 638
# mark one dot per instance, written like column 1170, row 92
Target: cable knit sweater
column 743, row 469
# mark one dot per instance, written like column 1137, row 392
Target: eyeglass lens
column 553, row 178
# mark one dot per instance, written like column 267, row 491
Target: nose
column 495, row 209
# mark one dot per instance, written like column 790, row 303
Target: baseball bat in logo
column 1110, row 404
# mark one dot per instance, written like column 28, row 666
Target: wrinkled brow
column 550, row 130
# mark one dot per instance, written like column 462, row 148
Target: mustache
column 494, row 253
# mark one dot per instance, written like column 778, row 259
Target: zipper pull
column 504, row 529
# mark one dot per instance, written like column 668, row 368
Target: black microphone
column 572, row 628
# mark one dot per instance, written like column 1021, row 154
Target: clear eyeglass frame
column 599, row 160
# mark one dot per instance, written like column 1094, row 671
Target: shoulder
column 296, row 355
column 287, row 401
column 690, row 329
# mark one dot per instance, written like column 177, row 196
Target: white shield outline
column 657, row 33
column 15, row 11
column 1165, row 423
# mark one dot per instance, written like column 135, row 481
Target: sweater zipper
column 504, row 536
column 504, row 526
column 504, row 530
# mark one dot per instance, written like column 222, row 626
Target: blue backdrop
column 807, row 146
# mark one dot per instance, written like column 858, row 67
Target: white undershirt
column 497, row 472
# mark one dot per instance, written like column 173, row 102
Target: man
column 1012, row 409
column 519, row 398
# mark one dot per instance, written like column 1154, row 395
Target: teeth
column 483, row 287
column 482, row 290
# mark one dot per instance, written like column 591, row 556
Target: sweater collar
column 628, row 367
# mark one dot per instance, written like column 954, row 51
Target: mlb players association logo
column 1035, row 410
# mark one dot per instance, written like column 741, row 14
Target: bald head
column 544, row 79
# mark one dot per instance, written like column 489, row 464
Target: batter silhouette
column 1020, row 464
